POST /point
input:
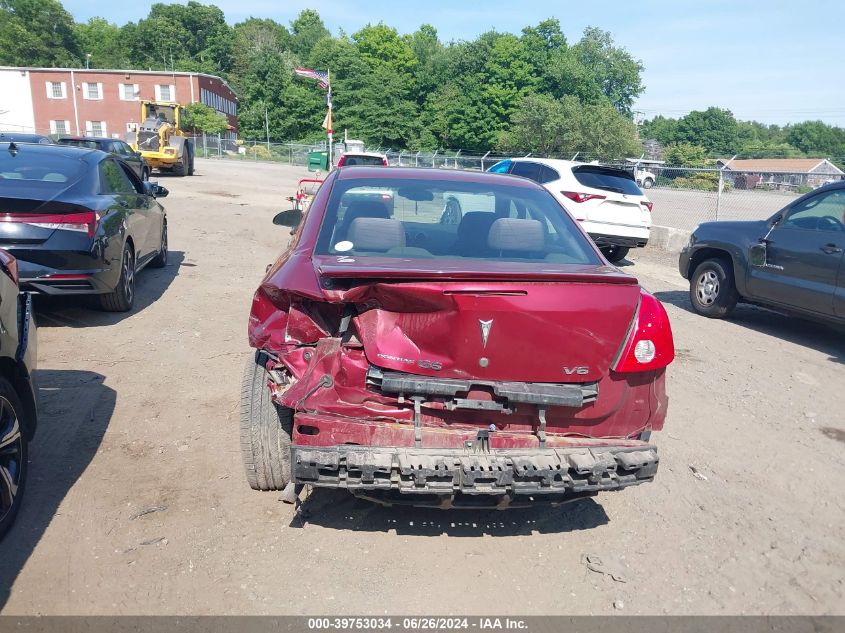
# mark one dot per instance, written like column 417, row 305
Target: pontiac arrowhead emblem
column 485, row 331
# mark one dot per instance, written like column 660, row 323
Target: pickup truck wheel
column 712, row 289
column 266, row 429
column 615, row 254
column 13, row 455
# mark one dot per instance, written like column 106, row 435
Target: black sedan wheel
column 13, row 456
column 123, row 296
column 160, row 260
column 712, row 290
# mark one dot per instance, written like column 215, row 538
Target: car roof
column 551, row 162
column 22, row 137
column 373, row 154
column 87, row 138
column 68, row 151
column 428, row 174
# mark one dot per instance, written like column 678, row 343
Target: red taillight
column 9, row 264
column 340, row 161
column 85, row 222
column 384, row 161
column 582, row 197
column 648, row 205
column 650, row 344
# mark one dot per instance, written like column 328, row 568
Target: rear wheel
column 266, row 431
column 123, row 296
column 160, row 260
column 712, row 290
column 615, row 254
column 191, row 160
column 13, row 455
column 648, row 183
column 184, row 167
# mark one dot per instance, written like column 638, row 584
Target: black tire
column 191, row 162
column 648, row 183
column 122, row 297
column 13, row 455
column 712, row 289
column 184, row 165
column 615, row 254
column 266, row 431
column 160, row 260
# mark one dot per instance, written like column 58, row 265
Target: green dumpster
column 318, row 161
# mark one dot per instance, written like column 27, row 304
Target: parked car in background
column 792, row 262
column 393, row 357
column 114, row 147
column 79, row 222
column 606, row 201
column 24, row 137
column 362, row 159
column 18, row 412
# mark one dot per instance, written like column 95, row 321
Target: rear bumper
column 569, row 472
column 618, row 240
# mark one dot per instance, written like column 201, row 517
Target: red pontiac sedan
column 494, row 361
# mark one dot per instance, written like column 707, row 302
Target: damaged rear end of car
column 494, row 362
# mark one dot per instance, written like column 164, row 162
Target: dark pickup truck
column 793, row 262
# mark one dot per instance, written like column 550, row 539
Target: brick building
column 101, row 102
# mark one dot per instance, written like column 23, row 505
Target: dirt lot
column 139, row 412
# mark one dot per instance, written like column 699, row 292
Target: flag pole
column 330, row 131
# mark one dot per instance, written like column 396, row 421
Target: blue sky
column 775, row 61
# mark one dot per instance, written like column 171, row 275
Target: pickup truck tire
column 615, row 254
column 712, row 289
column 266, row 431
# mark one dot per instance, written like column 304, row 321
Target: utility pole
column 87, row 60
column 267, row 126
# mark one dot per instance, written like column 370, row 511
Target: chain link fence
column 683, row 196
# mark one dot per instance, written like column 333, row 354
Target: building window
column 129, row 92
column 165, row 92
column 60, row 127
column 95, row 128
column 92, row 91
column 56, row 90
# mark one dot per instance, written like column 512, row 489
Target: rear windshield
column 432, row 219
column 607, row 179
column 358, row 161
column 42, row 167
column 80, row 142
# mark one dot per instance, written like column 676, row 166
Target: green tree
column 37, row 33
column 714, row 128
column 686, row 154
column 102, row 40
column 612, row 68
column 307, row 29
column 816, row 138
column 202, row 118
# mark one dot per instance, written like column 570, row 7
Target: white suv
column 606, row 201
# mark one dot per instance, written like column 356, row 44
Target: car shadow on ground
column 339, row 510
column 150, row 285
column 75, row 408
column 823, row 338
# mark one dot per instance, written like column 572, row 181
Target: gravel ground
column 137, row 502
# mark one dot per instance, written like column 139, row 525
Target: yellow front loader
column 160, row 139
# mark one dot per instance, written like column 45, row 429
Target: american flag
column 320, row 76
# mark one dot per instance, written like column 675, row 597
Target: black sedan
column 111, row 146
column 79, row 221
column 792, row 262
column 18, row 414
